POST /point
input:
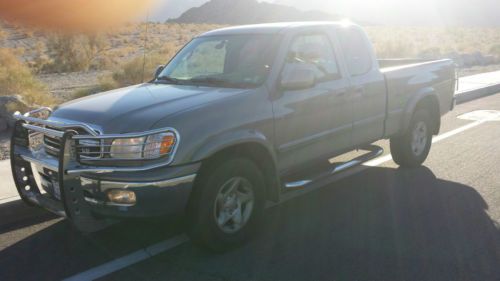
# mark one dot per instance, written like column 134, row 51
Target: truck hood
column 137, row 108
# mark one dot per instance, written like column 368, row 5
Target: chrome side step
column 373, row 152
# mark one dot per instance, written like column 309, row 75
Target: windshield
column 241, row 61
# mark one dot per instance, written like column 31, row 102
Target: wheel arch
column 255, row 148
column 426, row 99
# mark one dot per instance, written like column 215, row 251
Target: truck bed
column 409, row 79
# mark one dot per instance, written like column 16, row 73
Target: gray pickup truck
column 239, row 117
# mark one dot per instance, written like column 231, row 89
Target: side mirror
column 159, row 69
column 297, row 78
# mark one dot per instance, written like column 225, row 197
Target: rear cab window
column 356, row 51
column 316, row 52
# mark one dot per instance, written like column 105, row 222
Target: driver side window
column 315, row 52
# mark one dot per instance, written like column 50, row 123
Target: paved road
column 437, row 222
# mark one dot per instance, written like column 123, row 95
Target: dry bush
column 136, row 71
column 77, row 53
column 495, row 50
column 16, row 79
column 65, row 54
column 40, row 59
column 432, row 41
column 3, row 34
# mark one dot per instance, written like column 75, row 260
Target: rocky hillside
column 233, row 12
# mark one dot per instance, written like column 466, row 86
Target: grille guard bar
column 72, row 203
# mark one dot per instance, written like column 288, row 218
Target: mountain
column 247, row 12
column 465, row 13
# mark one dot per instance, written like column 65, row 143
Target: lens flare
column 72, row 15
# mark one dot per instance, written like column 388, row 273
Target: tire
column 411, row 149
column 215, row 200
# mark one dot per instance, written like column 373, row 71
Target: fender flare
column 412, row 104
column 240, row 137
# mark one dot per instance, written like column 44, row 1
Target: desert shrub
column 393, row 41
column 77, row 53
column 434, row 52
column 16, row 79
column 394, row 48
column 40, row 59
column 495, row 50
column 65, row 54
column 3, row 34
column 132, row 72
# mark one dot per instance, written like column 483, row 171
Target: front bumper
column 67, row 188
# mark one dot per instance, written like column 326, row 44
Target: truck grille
column 86, row 149
column 89, row 149
column 52, row 145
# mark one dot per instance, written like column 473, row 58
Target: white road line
column 10, row 199
column 379, row 161
column 458, row 130
column 171, row 243
column 129, row 259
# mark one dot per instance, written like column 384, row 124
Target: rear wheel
column 227, row 205
column 412, row 148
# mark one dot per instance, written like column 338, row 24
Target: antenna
column 145, row 47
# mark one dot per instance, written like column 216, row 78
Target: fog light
column 119, row 196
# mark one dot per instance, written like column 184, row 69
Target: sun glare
column 74, row 15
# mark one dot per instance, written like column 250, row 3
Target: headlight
column 150, row 147
column 127, row 148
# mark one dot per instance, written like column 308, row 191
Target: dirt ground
column 4, row 145
column 64, row 85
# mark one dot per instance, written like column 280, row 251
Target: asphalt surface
column 436, row 222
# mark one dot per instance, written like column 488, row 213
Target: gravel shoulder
column 64, row 85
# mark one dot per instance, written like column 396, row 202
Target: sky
column 408, row 12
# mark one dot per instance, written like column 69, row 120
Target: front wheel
column 412, row 148
column 227, row 204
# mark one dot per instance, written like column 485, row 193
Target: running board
column 373, row 152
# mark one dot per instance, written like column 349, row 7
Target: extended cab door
column 312, row 121
column 367, row 85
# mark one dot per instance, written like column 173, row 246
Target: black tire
column 202, row 223
column 406, row 155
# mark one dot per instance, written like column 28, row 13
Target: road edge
column 474, row 94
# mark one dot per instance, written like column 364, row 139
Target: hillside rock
column 235, row 12
column 8, row 105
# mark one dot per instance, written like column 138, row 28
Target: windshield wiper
column 212, row 81
column 208, row 80
column 168, row 79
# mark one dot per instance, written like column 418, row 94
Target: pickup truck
column 239, row 117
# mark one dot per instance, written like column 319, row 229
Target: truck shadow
column 380, row 224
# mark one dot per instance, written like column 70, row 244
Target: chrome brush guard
column 67, row 197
